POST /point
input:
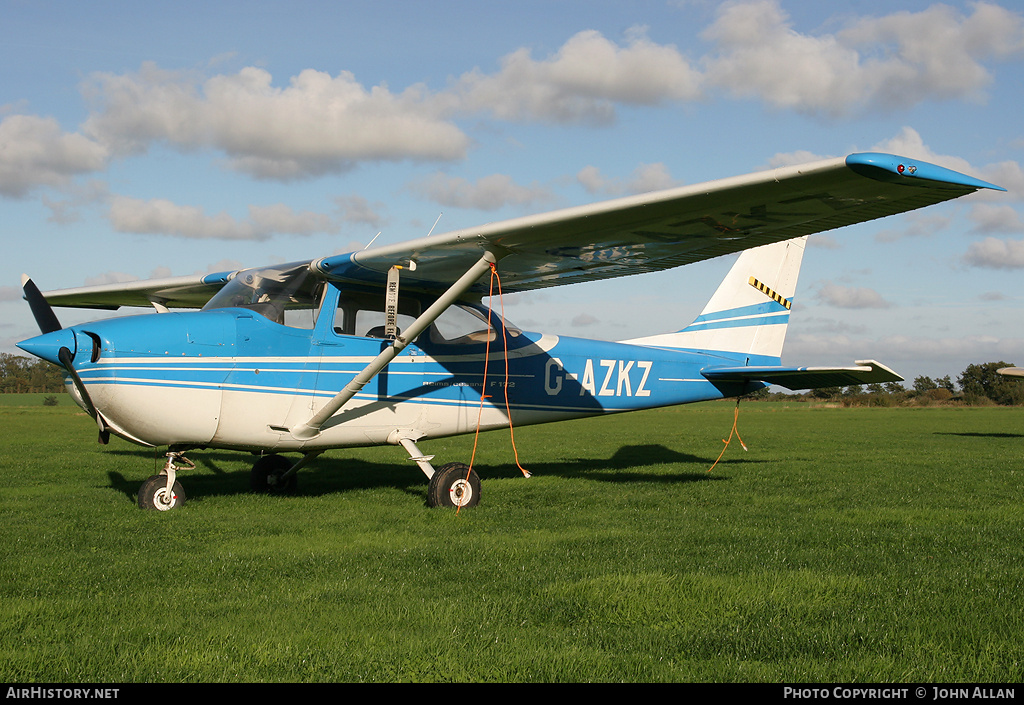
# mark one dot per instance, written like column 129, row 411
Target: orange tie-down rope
column 735, row 430
column 483, row 392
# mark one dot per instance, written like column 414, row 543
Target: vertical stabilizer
column 749, row 312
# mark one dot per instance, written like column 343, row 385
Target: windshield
column 288, row 294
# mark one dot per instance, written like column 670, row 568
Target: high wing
column 666, row 229
column 645, row 233
column 173, row 292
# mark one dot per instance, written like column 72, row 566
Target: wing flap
column 794, row 378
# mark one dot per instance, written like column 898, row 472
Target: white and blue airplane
column 392, row 344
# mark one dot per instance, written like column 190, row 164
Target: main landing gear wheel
column 268, row 475
column 450, row 487
column 153, row 494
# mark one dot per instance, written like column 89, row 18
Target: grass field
column 847, row 545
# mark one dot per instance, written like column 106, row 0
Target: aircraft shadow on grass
column 975, row 434
column 327, row 476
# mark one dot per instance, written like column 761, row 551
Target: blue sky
column 164, row 139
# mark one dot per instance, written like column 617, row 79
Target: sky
column 143, row 140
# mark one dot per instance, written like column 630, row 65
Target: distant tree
column 759, row 395
column 945, row 383
column 826, row 392
column 894, row 388
column 19, row 374
column 923, row 384
column 983, row 382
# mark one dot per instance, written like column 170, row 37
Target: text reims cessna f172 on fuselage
column 391, row 345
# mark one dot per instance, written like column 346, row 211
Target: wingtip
column 889, row 167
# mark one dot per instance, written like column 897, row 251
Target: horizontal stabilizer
column 865, row 372
column 1011, row 371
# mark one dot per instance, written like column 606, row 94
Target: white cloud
column 850, row 297
column 487, row 193
column 35, row 152
column 918, row 224
column 993, row 218
column 110, row 278
column 645, row 178
column 993, row 253
column 318, row 124
column 892, row 62
column 356, row 209
column 582, row 82
column 162, row 217
column 782, row 159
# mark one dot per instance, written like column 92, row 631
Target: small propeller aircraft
column 393, row 345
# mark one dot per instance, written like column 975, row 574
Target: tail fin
column 749, row 313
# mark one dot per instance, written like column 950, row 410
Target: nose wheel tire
column 454, row 485
column 153, row 494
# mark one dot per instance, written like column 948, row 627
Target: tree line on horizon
column 979, row 384
column 23, row 375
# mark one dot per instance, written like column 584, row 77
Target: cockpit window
column 288, row 294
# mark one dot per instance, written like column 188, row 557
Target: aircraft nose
column 48, row 345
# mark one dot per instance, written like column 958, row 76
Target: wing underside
column 668, row 229
column 615, row 238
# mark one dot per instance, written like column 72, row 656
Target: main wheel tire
column 268, row 475
column 454, row 485
column 153, row 494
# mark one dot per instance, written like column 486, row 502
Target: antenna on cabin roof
column 435, row 223
column 371, row 241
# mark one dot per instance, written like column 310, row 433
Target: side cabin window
column 289, row 295
column 362, row 314
column 465, row 324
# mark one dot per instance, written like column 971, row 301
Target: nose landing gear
column 163, row 492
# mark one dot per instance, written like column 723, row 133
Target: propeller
column 46, row 319
column 49, row 325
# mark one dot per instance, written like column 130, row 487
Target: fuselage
column 232, row 378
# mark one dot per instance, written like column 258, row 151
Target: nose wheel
column 163, row 492
column 154, row 494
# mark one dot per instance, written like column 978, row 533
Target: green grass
column 847, row 545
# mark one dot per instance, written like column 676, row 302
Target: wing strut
column 311, row 429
